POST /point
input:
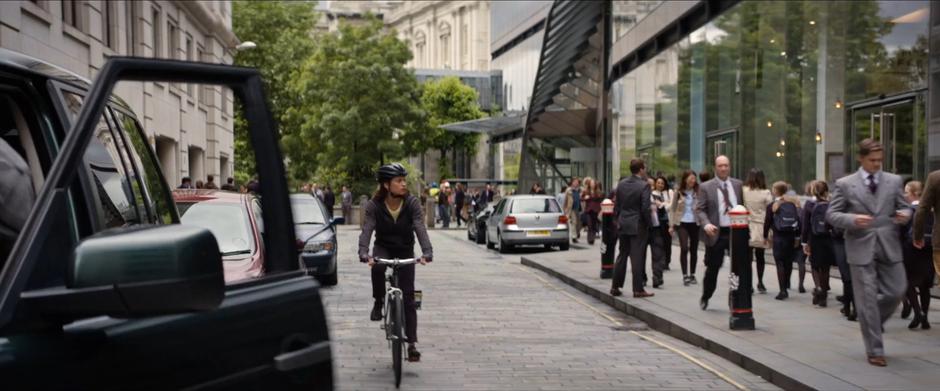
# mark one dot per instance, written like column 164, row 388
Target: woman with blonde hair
column 784, row 218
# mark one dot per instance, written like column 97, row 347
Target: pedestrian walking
column 816, row 239
column 536, row 189
column 917, row 262
column 329, row 200
column 806, row 202
column 659, row 236
column 782, row 218
column 200, row 184
column 683, row 222
column 632, row 213
column 573, row 208
column 443, row 206
column 488, row 194
column 186, row 183
column 868, row 205
column 705, row 176
column 210, row 183
column 460, row 197
column 592, row 198
column 229, row 185
column 716, row 198
column 560, row 197
column 929, row 206
column 346, row 200
column 756, row 199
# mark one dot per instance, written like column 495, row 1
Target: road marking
column 618, row 323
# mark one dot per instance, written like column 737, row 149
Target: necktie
column 872, row 186
column 724, row 193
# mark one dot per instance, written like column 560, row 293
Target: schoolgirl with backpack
column 918, row 262
column 817, row 241
column 783, row 219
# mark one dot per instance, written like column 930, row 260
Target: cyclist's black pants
column 406, row 282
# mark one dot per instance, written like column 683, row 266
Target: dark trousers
column 458, row 209
column 658, row 243
column 592, row 225
column 634, row 248
column 757, row 255
column 785, row 252
column 406, row 282
column 688, row 247
column 714, row 258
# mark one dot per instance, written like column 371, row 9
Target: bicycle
column 393, row 321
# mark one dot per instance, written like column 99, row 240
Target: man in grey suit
column 632, row 213
column 715, row 199
column 869, row 205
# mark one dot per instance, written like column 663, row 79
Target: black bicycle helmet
column 389, row 171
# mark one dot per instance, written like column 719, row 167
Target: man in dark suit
column 632, row 213
column 715, row 199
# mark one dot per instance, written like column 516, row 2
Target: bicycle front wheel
column 398, row 340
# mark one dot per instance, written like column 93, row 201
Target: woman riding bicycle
column 396, row 217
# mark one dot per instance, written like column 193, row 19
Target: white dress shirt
column 723, row 219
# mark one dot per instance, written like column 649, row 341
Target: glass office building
column 786, row 86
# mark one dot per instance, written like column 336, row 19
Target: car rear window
column 535, row 205
column 227, row 222
column 307, row 212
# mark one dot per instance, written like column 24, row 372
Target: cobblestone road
column 490, row 323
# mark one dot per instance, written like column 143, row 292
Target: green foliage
column 283, row 32
column 356, row 99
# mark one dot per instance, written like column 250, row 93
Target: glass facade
column 787, row 86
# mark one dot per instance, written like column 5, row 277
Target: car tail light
column 509, row 220
column 562, row 219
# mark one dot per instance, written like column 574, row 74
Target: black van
column 101, row 288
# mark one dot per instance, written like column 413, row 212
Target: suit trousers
column 658, row 243
column 878, row 288
column 574, row 223
column 714, row 258
column 634, row 248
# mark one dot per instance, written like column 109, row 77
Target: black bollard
column 609, row 236
column 739, row 296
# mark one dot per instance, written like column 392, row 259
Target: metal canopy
column 490, row 125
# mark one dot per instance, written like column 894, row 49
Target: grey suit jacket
column 707, row 210
column 632, row 208
column 851, row 197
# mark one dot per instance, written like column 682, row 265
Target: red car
column 235, row 220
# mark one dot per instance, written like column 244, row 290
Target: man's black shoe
column 782, row 296
column 906, row 310
column 376, row 314
column 703, row 303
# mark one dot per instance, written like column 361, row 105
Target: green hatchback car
column 100, row 286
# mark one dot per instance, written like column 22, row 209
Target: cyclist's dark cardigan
column 394, row 238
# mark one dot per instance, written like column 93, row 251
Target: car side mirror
column 339, row 220
column 136, row 272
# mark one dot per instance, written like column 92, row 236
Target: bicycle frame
column 392, row 291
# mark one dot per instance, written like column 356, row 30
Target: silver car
column 527, row 219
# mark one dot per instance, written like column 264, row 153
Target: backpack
column 817, row 220
column 786, row 218
column 928, row 226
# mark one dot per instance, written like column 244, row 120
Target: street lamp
column 247, row 45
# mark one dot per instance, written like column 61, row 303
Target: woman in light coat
column 756, row 199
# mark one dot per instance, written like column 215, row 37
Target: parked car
column 316, row 237
column 527, row 219
column 476, row 225
column 101, row 287
column 235, row 221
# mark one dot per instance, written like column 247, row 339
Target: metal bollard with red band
column 739, row 296
column 608, row 238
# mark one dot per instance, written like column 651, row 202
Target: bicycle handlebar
column 396, row 262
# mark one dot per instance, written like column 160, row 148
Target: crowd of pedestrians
column 863, row 226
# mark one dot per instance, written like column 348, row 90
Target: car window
column 156, row 193
column 307, row 212
column 535, row 205
column 227, row 222
column 259, row 217
column 113, row 191
column 500, row 206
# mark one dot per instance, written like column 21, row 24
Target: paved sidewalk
column 795, row 346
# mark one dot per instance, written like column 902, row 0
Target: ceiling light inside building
column 812, row 23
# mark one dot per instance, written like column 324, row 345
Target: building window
column 420, row 47
column 203, row 88
column 445, row 45
column 41, row 4
column 173, row 40
column 72, row 13
column 189, row 57
column 130, row 11
column 109, row 27
column 156, row 32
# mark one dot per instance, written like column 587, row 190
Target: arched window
column 445, row 45
column 421, row 47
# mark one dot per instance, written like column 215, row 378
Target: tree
column 445, row 101
column 356, row 98
column 283, row 32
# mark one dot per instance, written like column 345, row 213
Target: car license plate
column 539, row 233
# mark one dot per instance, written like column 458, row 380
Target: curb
column 779, row 370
